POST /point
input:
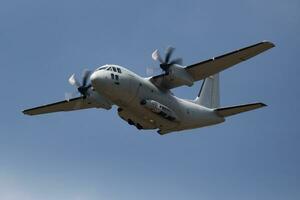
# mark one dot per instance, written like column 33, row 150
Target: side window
column 114, row 69
column 112, row 76
column 119, row 70
column 108, row 69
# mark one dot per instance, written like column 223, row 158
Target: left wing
column 73, row 104
column 212, row 66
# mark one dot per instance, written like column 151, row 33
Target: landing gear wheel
column 143, row 102
column 138, row 126
column 130, row 122
column 160, row 132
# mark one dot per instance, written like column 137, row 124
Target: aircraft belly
column 146, row 118
column 131, row 110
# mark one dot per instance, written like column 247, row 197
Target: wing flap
column 73, row 104
column 229, row 111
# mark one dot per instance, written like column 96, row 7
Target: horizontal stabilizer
column 233, row 110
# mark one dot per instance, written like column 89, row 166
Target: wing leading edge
column 214, row 65
column 73, row 104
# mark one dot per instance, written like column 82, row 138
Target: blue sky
column 93, row 154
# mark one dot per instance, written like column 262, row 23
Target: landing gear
column 143, row 102
column 138, row 126
column 130, row 122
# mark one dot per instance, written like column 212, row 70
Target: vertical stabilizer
column 209, row 95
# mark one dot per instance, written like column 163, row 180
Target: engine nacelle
column 159, row 109
column 179, row 74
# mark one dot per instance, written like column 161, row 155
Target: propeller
column 166, row 63
column 82, row 87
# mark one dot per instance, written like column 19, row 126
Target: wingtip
column 269, row 43
column 25, row 112
column 263, row 105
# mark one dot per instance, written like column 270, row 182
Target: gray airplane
column 148, row 103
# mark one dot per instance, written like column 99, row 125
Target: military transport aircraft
column 148, row 103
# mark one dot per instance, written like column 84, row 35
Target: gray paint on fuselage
column 132, row 89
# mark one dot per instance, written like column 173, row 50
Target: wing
column 212, row 66
column 73, row 104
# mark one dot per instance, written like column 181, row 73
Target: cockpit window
column 101, row 68
column 119, row 70
column 109, row 69
column 114, row 69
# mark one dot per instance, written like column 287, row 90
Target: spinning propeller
column 82, row 87
column 166, row 63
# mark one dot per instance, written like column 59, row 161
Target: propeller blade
column 81, row 88
column 156, row 56
column 165, row 63
column 177, row 61
column 169, row 52
column 73, row 81
column 86, row 74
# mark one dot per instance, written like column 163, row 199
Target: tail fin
column 209, row 95
column 229, row 111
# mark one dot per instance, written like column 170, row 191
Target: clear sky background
column 93, row 154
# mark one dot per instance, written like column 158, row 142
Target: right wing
column 73, row 104
column 212, row 66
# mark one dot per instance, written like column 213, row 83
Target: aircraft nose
column 93, row 77
column 97, row 79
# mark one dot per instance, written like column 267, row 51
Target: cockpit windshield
column 110, row 68
column 101, row 68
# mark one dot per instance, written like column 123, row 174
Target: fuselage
column 143, row 104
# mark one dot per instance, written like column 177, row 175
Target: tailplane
column 233, row 110
column 209, row 95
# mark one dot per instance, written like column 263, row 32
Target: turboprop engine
column 173, row 68
column 159, row 109
column 178, row 73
